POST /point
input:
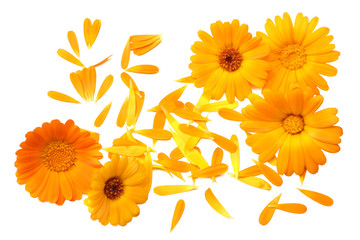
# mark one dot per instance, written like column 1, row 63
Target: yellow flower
column 117, row 189
column 298, row 53
column 290, row 127
column 229, row 61
column 56, row 162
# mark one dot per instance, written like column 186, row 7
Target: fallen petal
column 178, row 212
column 215, row 204
column 318, row 197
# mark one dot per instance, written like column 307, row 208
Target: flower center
column 58, row 156
column 114, row 188
column 293, row 124
column 230, row 59
column 293, row 57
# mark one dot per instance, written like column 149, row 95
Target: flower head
column 289, row 126
column 56, row 162
column 229, row 61
column 299, row 53
column 117, row 189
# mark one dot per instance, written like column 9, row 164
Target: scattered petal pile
column 279, row 73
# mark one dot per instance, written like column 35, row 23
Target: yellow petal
column 224, row 143
column 122, row 114
column 189, row 115
column 318, row 197
column 127, row 80
column 148, row 48
column 235, row 156
column 146, row 69
column 157, row 134
column 290, row 207
column 188, row 79
column 212, row 171
column 73, row 42
column 178, row 212
column 62, row 97
column 267, row 213
column 255, row 182
column 302, row 178
column 104, row 87
column 139, row 100
column 251, row 171
column 130, row 119
column 69, row 57
column 216, row 106
column 215, row 204
column 194, row 131
column 127, row 150
column 126, row 55
column 76, row 82
column 230, row 114
column 102, row 116
column 173, row 189
column 270, row 174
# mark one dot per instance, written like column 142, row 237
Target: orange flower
column 56, row 162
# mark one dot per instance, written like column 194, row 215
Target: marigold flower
column 290, row 127
column 56, row 162
column 299, row 53
column 117, row 189
column 228, row 62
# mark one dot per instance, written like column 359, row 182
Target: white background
column 32, row 31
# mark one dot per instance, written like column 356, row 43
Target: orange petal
column 178, row 212
column 73, row 42
column 224, row 143
column 255, row 182
column 76, row 82
column 143, row 43
column 144, row 37
column 250, row 171
column 69, row 57
column 290, row 207
column 103, row 61
column 235, row 156
column 127, row 80
column 212, row 171
column 157, row 134
column 188, row 79
column 104, row 87
column 194, row 131
column 94, row 31
column 176, row 154
column 122, row 114
column 178, row 166
column 127, row 150
column 62, row 97
column 146, row 69
column 173, row 96
column 173, row 189
column 267, row 213
column 215, row 204
column 102, row 116
column 230, row 114
column 87, row 27
column 318, row 197
column 131, row 110
column 126, row 55
column 217, row 157
column 139, row 99
column 270, row 174
column 148, row 48
column 216, row 106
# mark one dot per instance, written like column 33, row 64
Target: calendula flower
column 230, row 61
column 56, row 162
column 299, row 53
column 290, row 127
column 117, row 189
